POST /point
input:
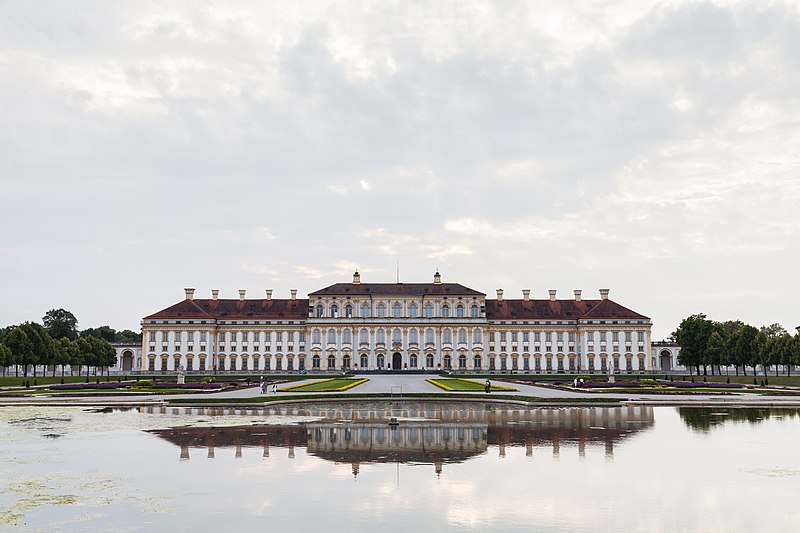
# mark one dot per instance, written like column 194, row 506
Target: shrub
column 649, row 383
column 766, row 381
column 727, row 380
column 35, row 382
column 62, row 381
column 142, row 383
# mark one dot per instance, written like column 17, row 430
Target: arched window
column 429, row 360
column 462, row 336
column 412, row 361
column 412, row 336
column 476, row 336
column 428, row 311
column 429, row 336
column 364, row 360
column 396, row 337
column 380, row 336
column 412, row 310
column 460, row 311
column 331, row 336
column 397, row 310
column 364, row 311
column 448, row 362
column 331, row 361
column 334, row 311
column 364, row 336
column 476, row 361
column 445, row 311
column 314, row 362
column 316, row 336
column 381, row 360
column 474, row 311
column 381, row 310
column 320, row 310
column 346, row 361
column 447, row 337
column 462, row 361
column 348, row 311
column 347, row 337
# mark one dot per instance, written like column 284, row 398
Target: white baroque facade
column 396, row 326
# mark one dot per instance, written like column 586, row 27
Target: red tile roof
column 558, row 310
column 396, row 289
column 235, row 310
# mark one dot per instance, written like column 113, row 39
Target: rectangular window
column 302, row 335
column 572, row 336
column 641, row 336
column 602, row 336
column 278, row 336
column 615, row 336
column 514, row 336
column 537, row 337
column 525, row 336
column 190, row 336
column 152, row 336
column 560, row 336
column 590, row 336
column 628, row 336
column 502, row 336
column 491, row 336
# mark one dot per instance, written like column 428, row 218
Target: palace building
column 396, row 326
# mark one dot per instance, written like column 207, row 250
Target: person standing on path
column 488, row 386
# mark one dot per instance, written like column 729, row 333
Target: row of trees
column 58, row 343
column 706, row 343
column 61, row 323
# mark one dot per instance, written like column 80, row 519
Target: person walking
column 488, row 386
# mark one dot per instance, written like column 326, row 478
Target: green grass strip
column 464, row 385
column 326, row 385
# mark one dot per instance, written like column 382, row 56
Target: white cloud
column 562, row 144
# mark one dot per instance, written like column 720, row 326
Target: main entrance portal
column 397, row 361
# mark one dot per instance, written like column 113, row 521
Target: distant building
column 665, row 356
column 396, row 326
column 129, row 356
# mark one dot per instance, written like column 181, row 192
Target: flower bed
column 326, row 385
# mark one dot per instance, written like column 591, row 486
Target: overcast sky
column 652, row 148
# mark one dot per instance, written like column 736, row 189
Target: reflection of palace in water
column 427, row 433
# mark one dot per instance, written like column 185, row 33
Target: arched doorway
column 666, row 360
column 397, row 361
column 127, row 360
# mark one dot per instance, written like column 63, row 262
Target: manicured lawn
column 326, row 385
column 780, row 381
column 465, row 385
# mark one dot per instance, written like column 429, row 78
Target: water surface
column 443, row 466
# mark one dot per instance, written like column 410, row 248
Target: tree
column 43, row 348
column 60, row 323
column 729, row 331
column 103, row 332
column 5, row 357
column 715, row 348
column 84, row 355
column 692, row 335
column 66, row 353
column 127, row 335
column 744, row 347
column 21, row 349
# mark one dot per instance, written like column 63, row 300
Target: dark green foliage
column 60, row 323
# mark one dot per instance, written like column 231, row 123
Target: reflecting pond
column 411, row 466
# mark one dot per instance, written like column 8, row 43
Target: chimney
column 604, row 294
column 552, row 295
column 215, row 294
column 189, row 294
column 356, row 278
column 241, row 294
column 577, row 295
column 294, row 294
column 269, row 294
column 499, row 295
column 437, row 278
column 526, row 294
